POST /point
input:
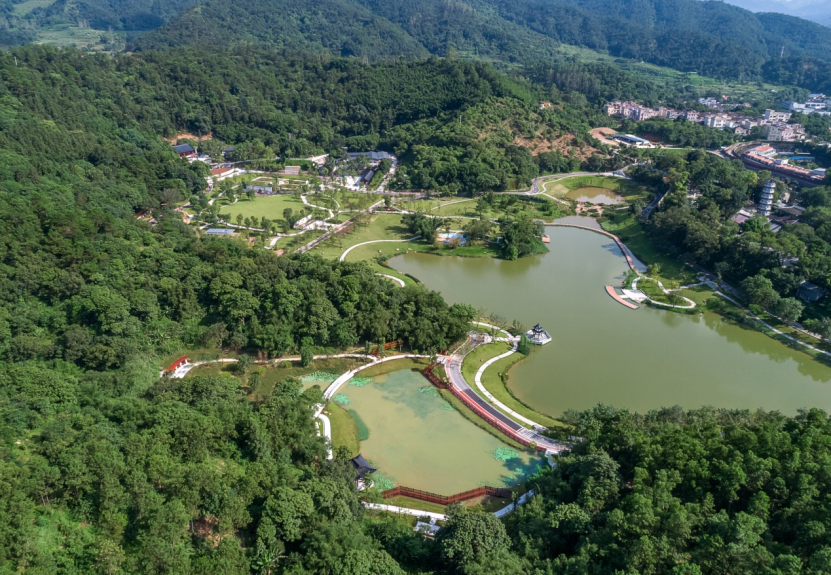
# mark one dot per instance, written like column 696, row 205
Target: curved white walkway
column 404, row 511
column 338, row 383
column 439, row 516
column 327, row 431
column 350, row 248
column 399, row 281
column 478, row 377
column 690, row 303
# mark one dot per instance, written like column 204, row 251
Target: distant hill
column 21, row 20
column 815, row 10
column 708, row 37
column 338, row 27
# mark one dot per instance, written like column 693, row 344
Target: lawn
column 25, row 7
column 291, row 243
column 344, row 430
column 535, row 207
column 630, row 231
column 269, row 206
column 493, row 382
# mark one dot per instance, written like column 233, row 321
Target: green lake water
column 417, row 440
column 603, row 352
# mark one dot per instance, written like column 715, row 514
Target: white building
column 774, row 116
column 716, row 120
column 780, row 132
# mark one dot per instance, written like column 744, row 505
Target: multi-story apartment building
column 780, row 132
column 774, row 116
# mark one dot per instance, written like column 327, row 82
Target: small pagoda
column 537, row 335
column 362, row 468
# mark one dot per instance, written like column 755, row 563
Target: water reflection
column 605, row 353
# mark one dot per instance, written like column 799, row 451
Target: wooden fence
column 445, row 499
column 434, row 379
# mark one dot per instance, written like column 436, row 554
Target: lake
column 603, row 352
column 594, row 196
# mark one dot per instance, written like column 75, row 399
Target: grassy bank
column 492, row 380
column 344, row 429
column 494, row 383
column 630, row 231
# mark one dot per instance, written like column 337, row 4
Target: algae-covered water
column 594, row 195
column 416, row 439
column 603, row 352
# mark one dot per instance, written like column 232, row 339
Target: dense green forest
column 681, row 493
column 294, row 108
column 711, row 38
column 106, row 468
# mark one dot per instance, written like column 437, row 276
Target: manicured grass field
column 269, row 206
column 344, row 430
column 536, row 207
column 291, row 243
column 493, row 383
column 381, row 227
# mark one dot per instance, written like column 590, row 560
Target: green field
column 25, row 7
column 624, row 225
column 493, row 383
column 344, row 429
column 537, row 207
column 269, row 206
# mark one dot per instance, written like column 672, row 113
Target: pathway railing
column 401, row 491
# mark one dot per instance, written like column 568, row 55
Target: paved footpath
column 453, row 367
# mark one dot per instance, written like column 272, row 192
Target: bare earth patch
column 562, row 144
column 189, row 136
column 603, row 134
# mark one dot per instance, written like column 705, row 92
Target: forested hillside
column 712, row 38
column 107, row 468
column 21, row 20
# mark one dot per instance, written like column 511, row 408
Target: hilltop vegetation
column 711, row 38
column 106, row 468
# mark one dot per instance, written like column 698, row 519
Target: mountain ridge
column 712, row 38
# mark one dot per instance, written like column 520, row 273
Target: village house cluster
column 774, row 123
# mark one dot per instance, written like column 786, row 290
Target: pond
column 595, row 196
column 416, row 439
column 603, row 352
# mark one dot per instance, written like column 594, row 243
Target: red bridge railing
column 401, row 491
